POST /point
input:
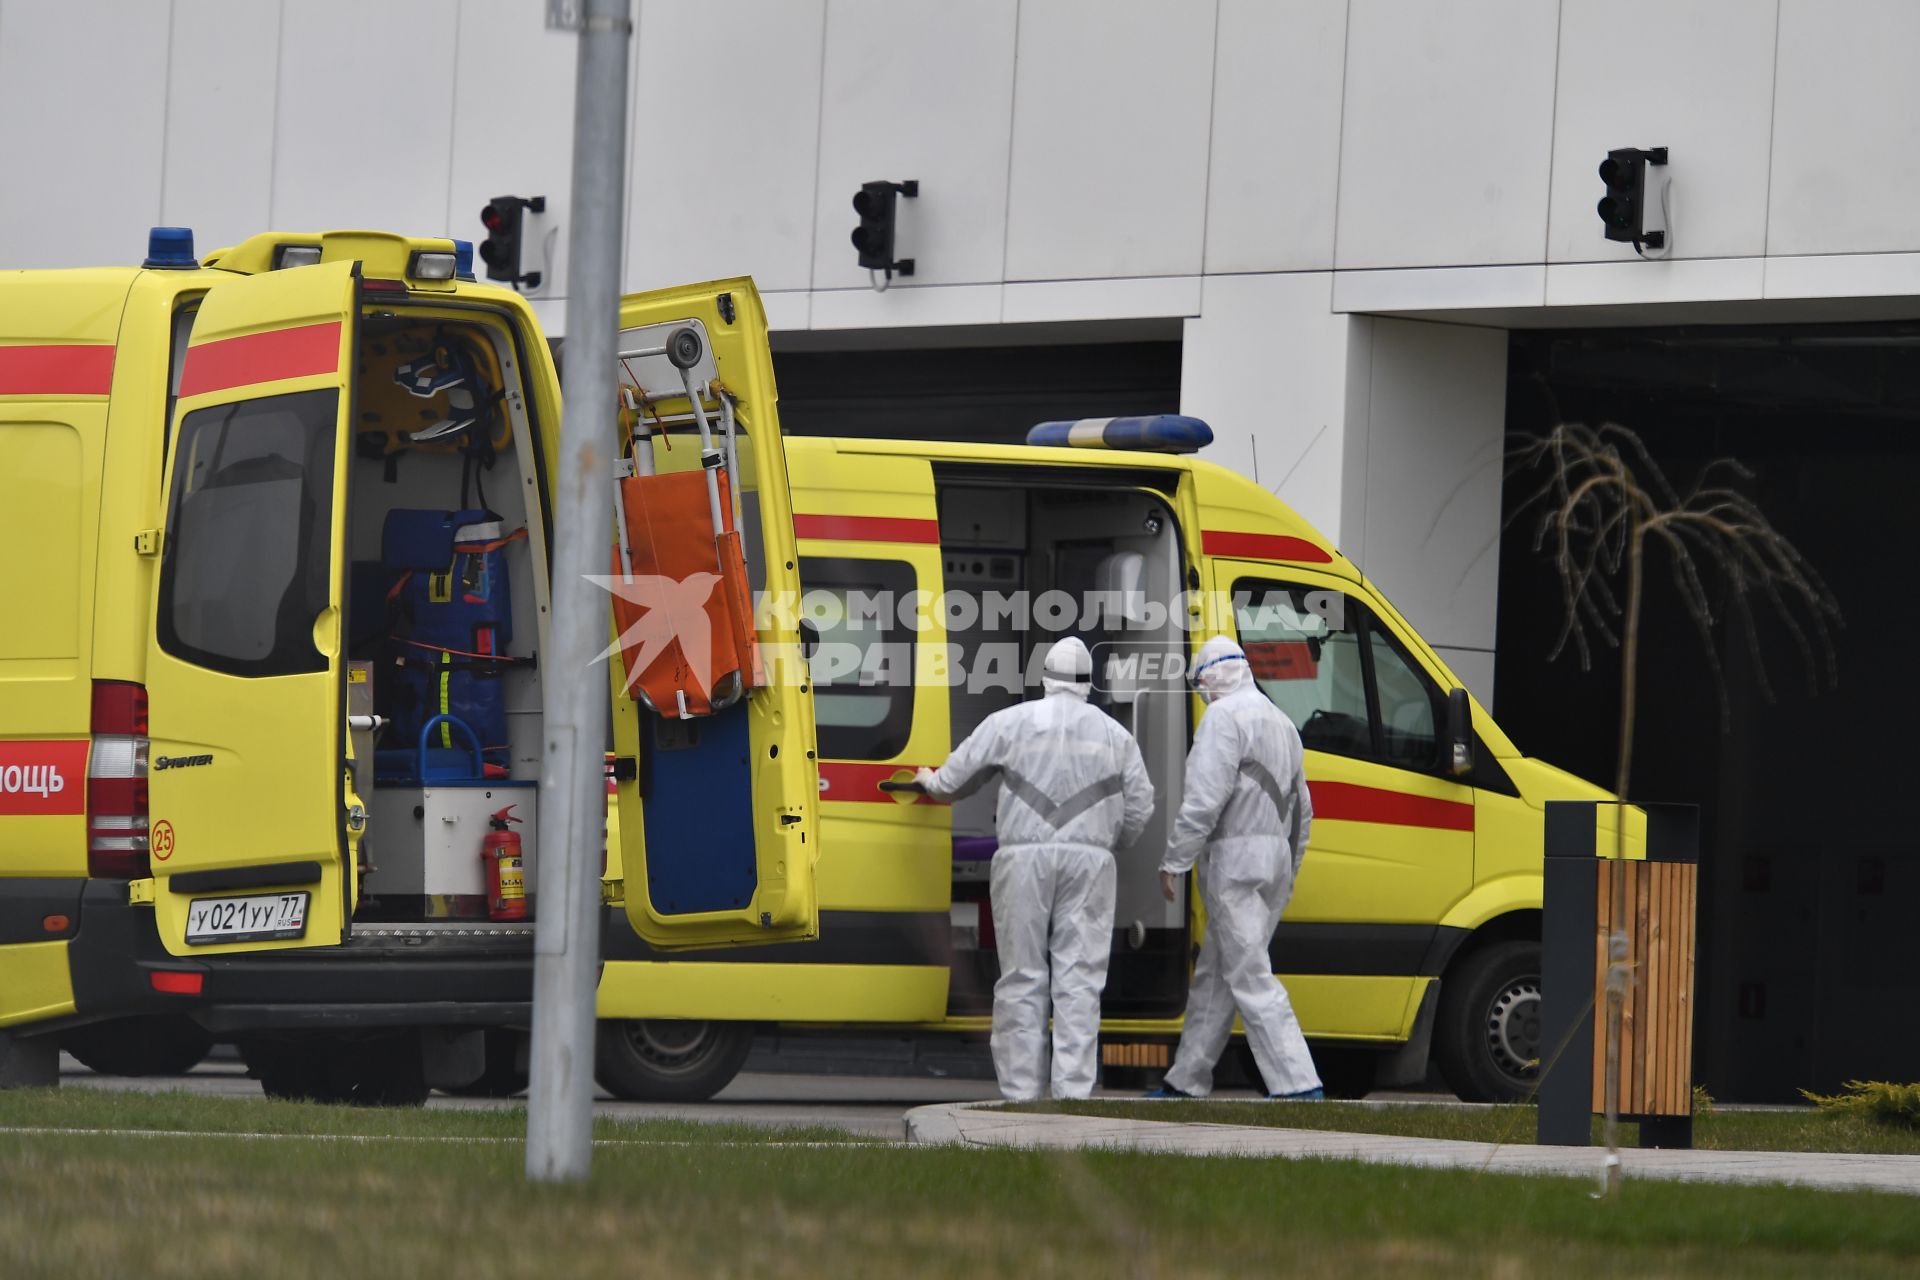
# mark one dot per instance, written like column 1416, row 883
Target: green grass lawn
column 85, row 1199
column 1801, row 1130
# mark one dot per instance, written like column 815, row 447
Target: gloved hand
column 924, row 776
column 1167, row 882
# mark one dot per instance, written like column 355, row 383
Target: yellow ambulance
column 263, row 703
column 270, row 670
column 934, row 577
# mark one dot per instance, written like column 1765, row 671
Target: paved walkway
column 981, row 1125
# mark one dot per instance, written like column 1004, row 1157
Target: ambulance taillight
column 117, row 845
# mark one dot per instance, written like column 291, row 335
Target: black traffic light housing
column 501, row 249
column 874, row 236
column 1628, row 211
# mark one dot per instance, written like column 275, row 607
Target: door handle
column 902, row 787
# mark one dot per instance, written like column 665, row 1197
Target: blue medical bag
column 449, row 625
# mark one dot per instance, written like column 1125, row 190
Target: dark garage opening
column 988, row 395
column 1809, row 963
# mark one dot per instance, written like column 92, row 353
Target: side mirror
column 1459, row 733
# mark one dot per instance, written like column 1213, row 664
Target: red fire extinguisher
column 506, row 875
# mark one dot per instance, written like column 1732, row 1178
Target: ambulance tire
column 154, row 1046
column 382, row 1072
column 669, row 1059
column 1487, row 1041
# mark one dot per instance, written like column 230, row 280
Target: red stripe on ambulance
column 1350, row 802
column 845, row 782
column 868, row 529
column 1263, row 546
column 43, row 779
column 273, row 356
column 56, row 371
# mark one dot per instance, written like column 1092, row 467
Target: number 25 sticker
column 163, row 840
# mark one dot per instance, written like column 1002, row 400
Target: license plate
column 247, row 919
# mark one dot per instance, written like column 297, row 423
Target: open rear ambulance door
column 246, row 770
column 716, row 777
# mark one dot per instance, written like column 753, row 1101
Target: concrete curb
column 975, row 1124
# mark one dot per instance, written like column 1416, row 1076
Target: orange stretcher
column 681, row 601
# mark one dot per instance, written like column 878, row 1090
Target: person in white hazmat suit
column 1244, row 825
column 1073, row 788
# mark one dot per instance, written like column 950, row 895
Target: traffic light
column 1631, row 210
column 874, row 236
column 501, row 249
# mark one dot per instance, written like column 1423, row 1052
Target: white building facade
column 1340, row 207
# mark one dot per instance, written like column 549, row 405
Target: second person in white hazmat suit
column 1244, row 822
column 1073, row 788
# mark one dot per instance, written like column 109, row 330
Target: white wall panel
column 1265, row 365
column 1695, row 76
column 1434, row 437
column 1437, row 288
column 1589, row 284
column 1446, row 133
column 1844, row 275
column 1109, row 171
column 364, row 133
column 82, row 91
column 728, row 90
column 1126, row 298
column 218, row 178
column 917, row 89
column 1844, row 173
column 905, row 308
column 513, row 129
column 1275, row 164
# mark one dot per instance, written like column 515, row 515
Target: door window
column 249, row 543
column 1339, row 674
column 1409, row 725
column 861, row 662
column 1305, row 650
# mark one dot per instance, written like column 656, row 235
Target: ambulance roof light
column 463, row 259
column 170, row 249
column 1161, row 433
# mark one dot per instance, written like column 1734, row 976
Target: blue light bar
column 463, row 259
column 170, row 249
column 1162, row 433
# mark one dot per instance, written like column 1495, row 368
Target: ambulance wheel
column 1487, row 1041
column 156, row 1046
column 669, row 1059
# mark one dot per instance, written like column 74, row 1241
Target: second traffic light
column 875, row 203
column 1632, row 210
column 502, row 217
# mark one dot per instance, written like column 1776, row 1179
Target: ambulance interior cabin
column 449, row 594
column 1112, row 552
column 447, row 590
